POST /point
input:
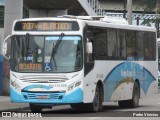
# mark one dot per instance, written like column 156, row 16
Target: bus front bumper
column 76, row 96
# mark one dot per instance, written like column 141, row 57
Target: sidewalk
column 6, row 105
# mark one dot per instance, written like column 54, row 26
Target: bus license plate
column 42, row 97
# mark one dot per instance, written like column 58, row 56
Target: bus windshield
column 46, row 53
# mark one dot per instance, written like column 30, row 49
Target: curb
column 15, row 109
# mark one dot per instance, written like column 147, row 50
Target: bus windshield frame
column 40, row 53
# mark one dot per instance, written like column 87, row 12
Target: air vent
column 116, row 20
column 44, row 79
column 31, row 96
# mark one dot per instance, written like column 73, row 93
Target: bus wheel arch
column 134, row 102
column 96, row 105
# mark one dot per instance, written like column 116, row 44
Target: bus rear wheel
column 134, row 102
column 35, row 108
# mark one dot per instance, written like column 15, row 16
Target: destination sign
column 46, row 26
column 30, row 67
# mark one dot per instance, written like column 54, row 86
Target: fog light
column 70, row 87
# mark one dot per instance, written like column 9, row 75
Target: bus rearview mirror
column 6, row 48
column 89, row 47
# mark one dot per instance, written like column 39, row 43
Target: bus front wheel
column 97, row 102
column 95, row 106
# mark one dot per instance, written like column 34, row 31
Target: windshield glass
column 46, row 53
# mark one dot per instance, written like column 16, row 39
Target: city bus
column 82, row 61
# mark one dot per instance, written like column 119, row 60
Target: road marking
column 92, row 118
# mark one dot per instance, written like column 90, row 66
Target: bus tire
column 96, row 105
column 134, row 102
column 35, row 108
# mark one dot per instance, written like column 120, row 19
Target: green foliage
column 149, row 5
column 148, row 22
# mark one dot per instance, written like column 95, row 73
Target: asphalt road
column 149, row 107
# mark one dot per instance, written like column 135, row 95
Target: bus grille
column 44, row 79
column 30, row 96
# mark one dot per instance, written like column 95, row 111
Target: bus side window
column 149, row 46
column 139, row 45
column 111, row 39
column 121, row 45
column 100, row 46
column 131, row 45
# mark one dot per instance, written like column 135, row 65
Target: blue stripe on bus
column 76, row 96
column 127, row 71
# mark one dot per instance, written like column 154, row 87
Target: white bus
column 81, row 61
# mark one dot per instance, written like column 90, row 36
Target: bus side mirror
column 6, row 47
column 89, row 47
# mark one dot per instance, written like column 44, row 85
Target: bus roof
column 98, row 21
column 121, row 26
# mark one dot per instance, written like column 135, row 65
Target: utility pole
column 158, row 18
column 129, row 11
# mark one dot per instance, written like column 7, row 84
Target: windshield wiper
column 26, row 46
column 55, row 48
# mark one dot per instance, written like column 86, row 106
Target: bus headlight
column 16, row 86
column 78, row 84
column 72, row 86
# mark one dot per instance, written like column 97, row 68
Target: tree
column 151, row 6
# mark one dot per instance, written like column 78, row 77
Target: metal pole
column 137, row 20
column 124, row 11
column 158, row 31
column 129, row 11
